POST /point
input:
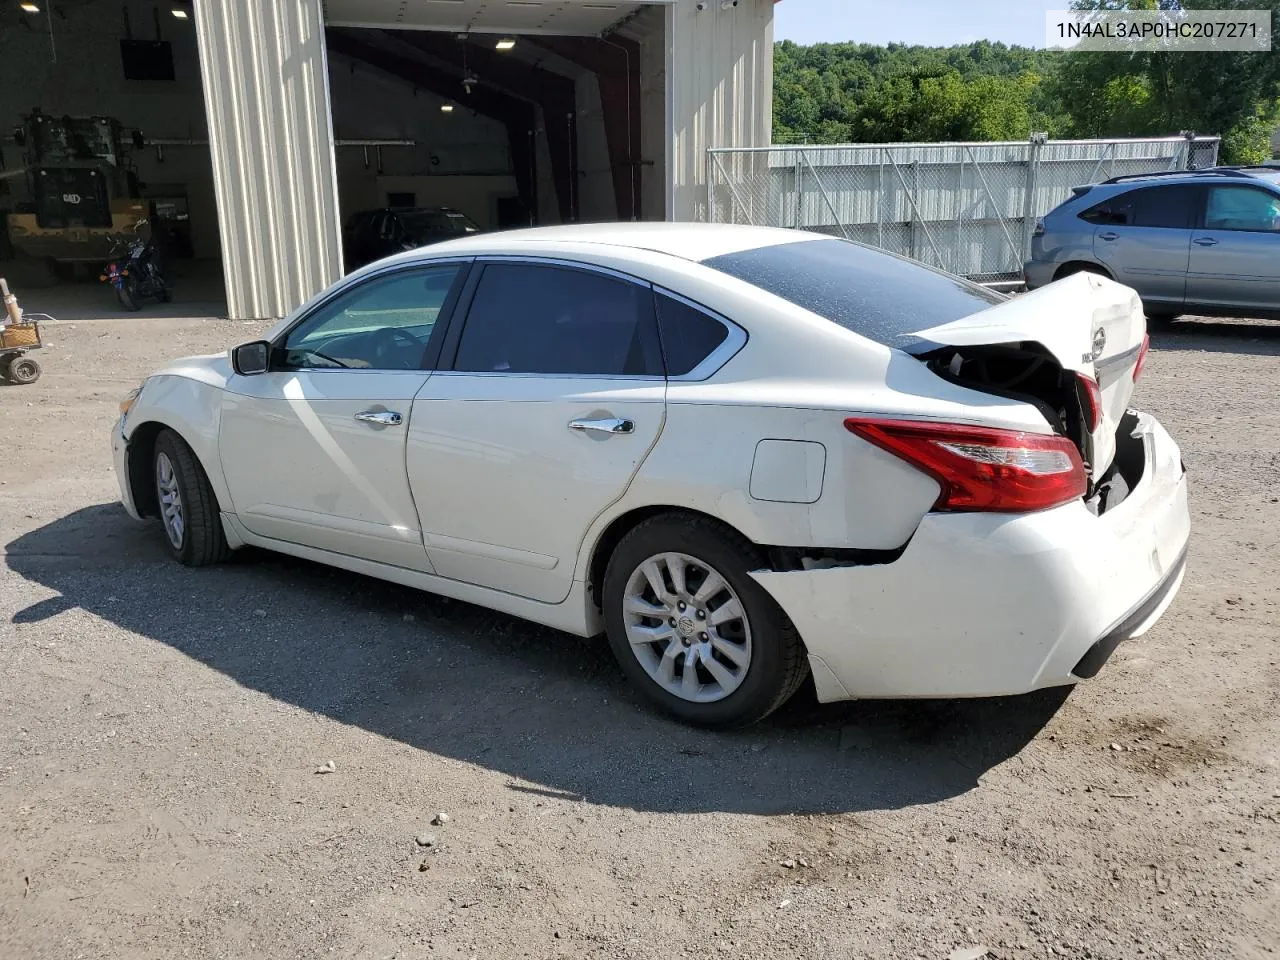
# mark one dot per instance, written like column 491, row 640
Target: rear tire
column 23, row 370
column 187, row 505
column 746, row 657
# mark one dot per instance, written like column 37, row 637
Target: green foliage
column 851, row 92
column 858, row 92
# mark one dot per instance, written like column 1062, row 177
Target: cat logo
column 71, row 198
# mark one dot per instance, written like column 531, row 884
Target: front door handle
column 1108, row 236
column 612, row 426
column 380, row 418
column 1204, row 241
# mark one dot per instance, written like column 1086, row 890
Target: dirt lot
column 161, row 729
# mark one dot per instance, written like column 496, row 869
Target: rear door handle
column 1108, row 236
column 380, row 418
column 1204, row 241
column 612, row 426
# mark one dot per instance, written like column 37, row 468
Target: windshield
column 883, row 297
column 422, row 222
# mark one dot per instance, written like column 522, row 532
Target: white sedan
column 746, row 455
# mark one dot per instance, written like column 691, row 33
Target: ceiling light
column 179, row 13
column 506, row 43
column 29, row 7
column 446, row 108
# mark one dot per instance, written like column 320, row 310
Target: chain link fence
column 965, row 207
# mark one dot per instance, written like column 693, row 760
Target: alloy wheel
column 170, row 497
column 687, row 627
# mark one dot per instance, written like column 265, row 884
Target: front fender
column 193, row 410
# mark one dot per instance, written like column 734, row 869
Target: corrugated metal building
column 698, row 74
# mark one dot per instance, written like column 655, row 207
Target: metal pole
column 880, row 201
column 913, row 192
column 799, row 193
column 955, row 263
column 1034, row 147
column 710, row 216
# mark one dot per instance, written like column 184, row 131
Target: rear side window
column 1117, row 211
column 1171, row 207
column 530, row 318
column 878, row 295
column 689, row 335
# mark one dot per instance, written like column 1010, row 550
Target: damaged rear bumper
column 988, row 604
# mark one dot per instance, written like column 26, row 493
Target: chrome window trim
column 713, row 362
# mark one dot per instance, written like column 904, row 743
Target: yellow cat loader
column 82, row 192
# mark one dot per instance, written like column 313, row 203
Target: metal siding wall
column 720, row 72
column 266, row 88
column 959, row 206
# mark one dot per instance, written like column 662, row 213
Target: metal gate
column 966, row 207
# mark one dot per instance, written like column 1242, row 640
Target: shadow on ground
column 1219, row 335
column 549, row 710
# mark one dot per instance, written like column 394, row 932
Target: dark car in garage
column 373, row 234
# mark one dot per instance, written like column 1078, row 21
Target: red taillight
column 1092, row 396
column 983, row 468
column 1142, row 357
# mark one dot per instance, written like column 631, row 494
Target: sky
column 934, row 23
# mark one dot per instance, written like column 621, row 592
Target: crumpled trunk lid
column 1089, row 325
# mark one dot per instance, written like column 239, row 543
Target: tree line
column 863, row 93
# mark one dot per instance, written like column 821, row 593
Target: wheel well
column 142, row 445
column 620, row 527
column 1081, row 266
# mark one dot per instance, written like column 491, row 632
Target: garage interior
column 514, row 114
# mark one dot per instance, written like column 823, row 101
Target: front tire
column 127, row 294
column 692, row 630
column 186, row 503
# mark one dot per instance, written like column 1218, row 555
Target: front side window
column 383, row 324
column 1242, row 208
column 531, row 318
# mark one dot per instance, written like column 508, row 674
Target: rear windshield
column 436, row 221
column 883, row 297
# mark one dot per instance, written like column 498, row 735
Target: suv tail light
column 1142, row 357
column 983, row 468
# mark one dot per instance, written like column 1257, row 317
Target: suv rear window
column 883, row 297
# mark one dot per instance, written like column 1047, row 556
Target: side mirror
column 250, row 359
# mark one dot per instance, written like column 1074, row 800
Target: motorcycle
column 134, row 271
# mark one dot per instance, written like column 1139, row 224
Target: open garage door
column 482, row 115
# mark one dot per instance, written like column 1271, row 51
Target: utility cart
column 18, row 334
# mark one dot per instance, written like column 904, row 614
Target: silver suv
column 1203, row 242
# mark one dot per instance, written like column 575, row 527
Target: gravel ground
column 166, row 738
